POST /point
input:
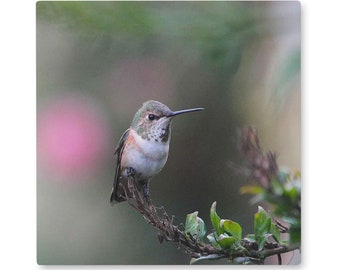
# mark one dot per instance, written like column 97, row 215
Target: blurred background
column 97, row 62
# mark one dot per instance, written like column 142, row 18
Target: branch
column 197, row 250
column 159, row 219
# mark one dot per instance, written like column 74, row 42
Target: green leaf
column 276, row 187
column 291, row 193
column 262, row 225
column 225, row 241
column 274, row 230
column 295, row 234
column 215, row 219
column 261, row 241
column 212, row 239
column 262, row 222
column 250, row 237
column 195, row 226
column 191, row 222
column 251, row 189
column 232, row 228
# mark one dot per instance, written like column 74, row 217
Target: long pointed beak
column 185, row 111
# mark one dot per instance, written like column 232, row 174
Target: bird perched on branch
column 144, row 147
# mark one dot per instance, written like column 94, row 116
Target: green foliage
column 284, row 194
column 215, row 219
column 195, row 226
column 263, row 227
column 232, row 228
column 217, row 32
column 280, row 187
column 227, row 234
column 106, row 18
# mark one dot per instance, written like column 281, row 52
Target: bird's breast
column 147, row 157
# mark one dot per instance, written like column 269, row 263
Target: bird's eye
column 151, row 117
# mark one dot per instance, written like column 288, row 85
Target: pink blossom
column 71, row 136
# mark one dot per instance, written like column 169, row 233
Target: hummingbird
column 143, row 149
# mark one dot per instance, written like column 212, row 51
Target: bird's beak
column 184, row 111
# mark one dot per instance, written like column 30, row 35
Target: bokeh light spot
column 71, row 136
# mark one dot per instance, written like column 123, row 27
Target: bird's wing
column 115, row 197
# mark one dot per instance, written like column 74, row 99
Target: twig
column 161, row 221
